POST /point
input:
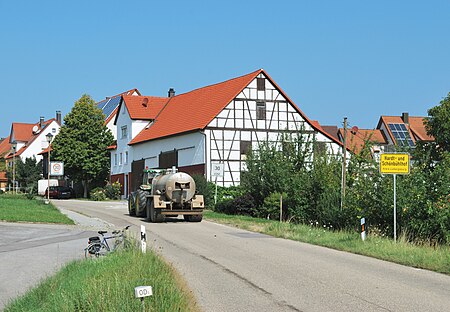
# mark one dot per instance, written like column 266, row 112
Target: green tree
column 82, row 143
column 438, row 124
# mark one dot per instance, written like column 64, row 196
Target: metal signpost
column 394, row 164
column 216, row 171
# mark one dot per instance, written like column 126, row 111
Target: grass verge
column 420, row 256
column 107, row 284
column 18, row 208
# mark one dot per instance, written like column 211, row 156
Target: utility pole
column 344, row 163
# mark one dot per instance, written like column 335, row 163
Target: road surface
column 230, row 269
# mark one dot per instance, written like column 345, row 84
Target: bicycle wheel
column 95, row 250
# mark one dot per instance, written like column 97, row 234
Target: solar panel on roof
column 102, row 103
column 111, row 106
column 401, row 134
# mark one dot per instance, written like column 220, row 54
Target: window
column 115, row 159
column 53, row 130
column 260, row 110
column 126, row 158
column 120, row 159
column 260, row 84
column 124, row 132
column 245, row 147
column 401, row 134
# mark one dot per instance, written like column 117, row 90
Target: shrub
column 98, row 194
column 113, row 191
column 241, row 205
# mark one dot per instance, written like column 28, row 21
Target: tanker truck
column 166, row 193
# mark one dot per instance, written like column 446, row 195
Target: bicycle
column 99, row 246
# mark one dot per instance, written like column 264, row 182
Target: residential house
column 31, row 139
column 109, row 107
column 211, row 126
column 403, row 131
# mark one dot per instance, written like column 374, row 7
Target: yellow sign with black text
column 394, row 163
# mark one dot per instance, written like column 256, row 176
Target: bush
column 242, row 205
column 98, row 194
column 204, row 188
column 113, row 191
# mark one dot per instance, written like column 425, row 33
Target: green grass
column 107, row 284
column 17, row 208
column 402, row 252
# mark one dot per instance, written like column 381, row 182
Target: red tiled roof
column 112, row 146
column 357, row 140
column 417, row 127
column 194, row 110
column 394, row 120
column 5, row 146
column 144, row 107
column 24, row 133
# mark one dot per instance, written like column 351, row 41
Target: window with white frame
column 126, row 158
column 124, row 131
column 115, row 159
column 120, row 159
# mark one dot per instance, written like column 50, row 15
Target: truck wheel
column 141, row 203
column 152, row 213
column 131, row 205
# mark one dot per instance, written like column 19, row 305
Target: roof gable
column 144, row 107
column 417, row 126
column 194, row 110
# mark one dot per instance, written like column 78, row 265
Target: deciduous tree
column 82, row 143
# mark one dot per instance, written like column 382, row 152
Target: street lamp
column 14, row 146
column 49, row 137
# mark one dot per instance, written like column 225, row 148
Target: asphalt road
column 230, row 269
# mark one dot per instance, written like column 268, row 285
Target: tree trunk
column 85, row 188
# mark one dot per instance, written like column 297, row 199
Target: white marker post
column 142, row 292
column 363, row 229
column 143, row 239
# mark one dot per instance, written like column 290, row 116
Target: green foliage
column 204, row 188
column 438, row 124
column 98, row 194
column 113, row 191
column 107, row 284
column 270, row 209
column 242, row 205
column 82, row 143
column 28, row 173
column 311, row 187
column 18, row 208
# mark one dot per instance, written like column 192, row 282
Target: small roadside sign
column 56, row 168
column 394, row 163
column 217, row 170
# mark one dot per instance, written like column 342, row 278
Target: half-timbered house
column 210, row 126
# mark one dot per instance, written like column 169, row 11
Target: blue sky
column 359, row 59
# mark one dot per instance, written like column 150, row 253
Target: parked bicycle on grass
column 99, row 246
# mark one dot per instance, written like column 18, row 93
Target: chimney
column 171, row 92
column 41, row 122
column 58, row 117
column 405, row 118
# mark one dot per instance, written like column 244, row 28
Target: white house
column 109, row 107
column 31, row 139
column 216, row 124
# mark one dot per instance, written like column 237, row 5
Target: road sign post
column 216, row 171
column 394, row 164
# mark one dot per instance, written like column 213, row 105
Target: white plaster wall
column 40, row 143
column 191, row 150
